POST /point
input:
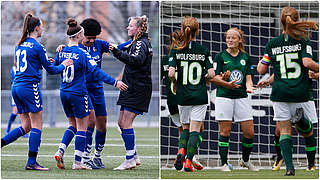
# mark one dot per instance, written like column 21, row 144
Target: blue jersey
column 73, row 78
column 96, row 51
column 30, row 57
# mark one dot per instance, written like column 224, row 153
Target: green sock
column 223, row 149
column 311, row 147
column 184, row 137
column 277, row 147
column 247, row 145
column 193, row 144
column 200, row 138
column 304, row 126
column 286, row 150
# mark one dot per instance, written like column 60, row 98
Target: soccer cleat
column 248, row 165
column 79, row 165
column 127, row 164
column 98, row 162
column 136, row 158
column 298, row 116
column 36, row 167
column 90, row 164
column 312, row 168
column 277, row 164
column 188, row 166
column 196, row 164
column 59, row 160
column 225, row 167
column 178, row 163
column 290, row 172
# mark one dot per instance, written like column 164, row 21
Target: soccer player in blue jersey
column 97, row 105
column 74, row 94
column 30, row 57
column 137, row 74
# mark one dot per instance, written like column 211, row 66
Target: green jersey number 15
column 285, row 63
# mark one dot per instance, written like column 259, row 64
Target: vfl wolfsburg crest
column 243, row 62
column 236, row 75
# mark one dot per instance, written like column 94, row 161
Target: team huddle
column 189, row 68
column 81, row 89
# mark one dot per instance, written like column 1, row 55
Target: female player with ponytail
column 290, row 54
column 30, row 57
column 191, row 60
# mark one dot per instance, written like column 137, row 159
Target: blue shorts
column 75, row 105
column 122, row 108
column 28, row 98
column 97, row 101
column 12, row 102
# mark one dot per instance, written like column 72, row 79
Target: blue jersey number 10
column 68, row 74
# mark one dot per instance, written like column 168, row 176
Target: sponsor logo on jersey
column 236, row 75
column 286, row 49
column 68, row 55
column 191, row 57
column 171, row 58
column 243, row 62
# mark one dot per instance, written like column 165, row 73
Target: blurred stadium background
column 113, row 17
column 260, row 22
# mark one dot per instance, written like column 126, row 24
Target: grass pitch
column 237, row 174
column 14, row 157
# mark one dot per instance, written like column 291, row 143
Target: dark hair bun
column 72, row 22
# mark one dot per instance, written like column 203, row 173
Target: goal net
column 260, row 23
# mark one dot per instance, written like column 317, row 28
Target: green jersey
column 171, row 96
column 191, row 63
column 291, row 81
column 239, row 66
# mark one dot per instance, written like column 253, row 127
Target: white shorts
column 195, row 113
column 238, row 109
column 176, row 119
column 283, row 111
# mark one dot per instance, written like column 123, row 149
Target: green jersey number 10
column 188, row 72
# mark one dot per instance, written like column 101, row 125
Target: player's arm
column 219, row 80
column 123, row 45
column 101, row 75
column 310, row 64
column 136, row 59
column 249, row 84
column 51, row 68
column 263, row 64
column 267, row 82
